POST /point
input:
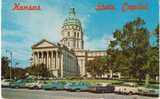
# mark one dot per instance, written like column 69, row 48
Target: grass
column 93, row 82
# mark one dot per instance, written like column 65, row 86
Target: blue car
column 54, row 86
column 21, row 83
column 18, row 84
column 78, row 86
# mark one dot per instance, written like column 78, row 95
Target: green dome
column 72, row 18
column 72, row 21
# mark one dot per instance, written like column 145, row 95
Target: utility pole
column 15, row 70
column 11, row 66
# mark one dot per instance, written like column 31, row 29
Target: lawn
column 94, row 81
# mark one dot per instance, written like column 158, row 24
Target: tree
column 39, row 70
column 97, row 67
column 131, row 45
column 5, row 67
column 157, row 34
column 153, row 62
column 19, row 73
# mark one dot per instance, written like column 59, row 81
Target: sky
column 22, row 29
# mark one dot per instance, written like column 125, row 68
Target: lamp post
column 11, row 63
column 15, row 69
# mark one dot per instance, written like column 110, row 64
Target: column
column 42, row 61
column 51, row 62
column 33, row 62
column 61, row 65
column 38, row 58
column 57, row 60
column 47, row 57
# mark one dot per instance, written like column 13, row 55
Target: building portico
column 51, row 57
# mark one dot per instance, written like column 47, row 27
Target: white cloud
column 33, row 26
column 44, row 24
column 97, row 44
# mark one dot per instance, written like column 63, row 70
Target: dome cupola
column 72, row 19
column 72, row 31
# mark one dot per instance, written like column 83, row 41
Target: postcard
column 80, row 49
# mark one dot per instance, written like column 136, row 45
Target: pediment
column 44, row 44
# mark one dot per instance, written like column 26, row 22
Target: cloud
column 44, row 24
column 33, row 26
column 97, row 44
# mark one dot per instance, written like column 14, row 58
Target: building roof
column 44, row 40
column 72, row 19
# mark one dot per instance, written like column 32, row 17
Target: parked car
column 21, row 83
column 5, row 82
column 18, row 84
column 126, row 90
column 54, row 86
column 148, row 91
column 78, row 86
column 102, row 89
column 67, row 86
column 34, row 85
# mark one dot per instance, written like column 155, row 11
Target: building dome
column 72, row 19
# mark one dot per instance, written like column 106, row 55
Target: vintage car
column 148, row 91
column 54, row 86
column 21, row 83
column 18, row 84
column 78, row 86
column 102, row 89
column 34, row 85
column 67, row 86
column 126, row 90
column 5, row 82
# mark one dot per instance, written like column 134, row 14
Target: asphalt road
column 9, row 93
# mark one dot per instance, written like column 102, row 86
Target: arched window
column 74, row 34
column 78, row 35
column 68, row 33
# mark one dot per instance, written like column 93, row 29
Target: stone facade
column 68, row 57
column 58, row 58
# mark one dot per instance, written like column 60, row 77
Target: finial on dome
column 72, row 11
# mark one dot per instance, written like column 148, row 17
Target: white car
column 148, row 91
column 5, row 83
column 34, row 85
column 126, row 90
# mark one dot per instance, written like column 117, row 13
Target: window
column 68, row 33
column 74, row 34
column 78, row 35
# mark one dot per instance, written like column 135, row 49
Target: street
column 9, row 93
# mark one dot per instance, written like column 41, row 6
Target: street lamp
column 7, row 51
column 15, row 69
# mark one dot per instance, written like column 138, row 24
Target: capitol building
column 68, row 57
